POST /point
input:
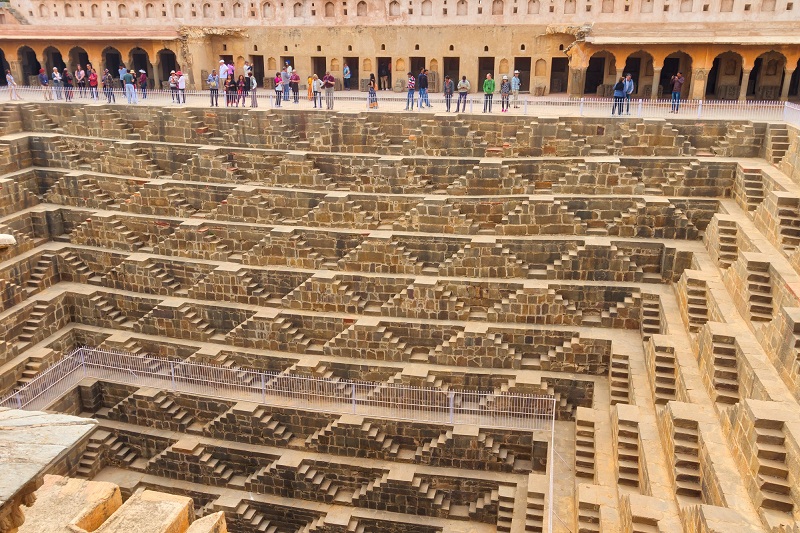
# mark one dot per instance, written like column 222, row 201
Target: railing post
column 525, row 107
column 19, row 401
column 700, row 109
column 263, row 388
column 639, row 112
column 353, row 396
column 172, row 373
column 470, row 103
column 451, row 404
column 580, row 112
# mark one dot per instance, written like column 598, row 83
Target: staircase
column 789, row 222
column 99, row 197
column 778, row 143
column 164, row 278
column 728, row 247
column 759, row 290
column 651, row 317
column 180, row 416
column 32, row 368
column 80, row 272
column 685, row 440
column 258, row 522
column 197, row 321
column 619, row 374
column 696, row 304
column 584, row 448
column 773, row 472
column 39, row 278
column 34, row 323
column 109, row 311
column 726, row 374
column 752, row 187
column 627, row 444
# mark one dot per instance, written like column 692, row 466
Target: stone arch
column 434, row 66
column 177, row 10
column 335, row 64
column 28, row 62
column 112, row 59
column 122, row 11
column 139, row 59
column 68, row 11
column 725, row 76
column 533, row 7
column 3, row 66
column 427, row 8
column 166, row 62
column 540, row 68
column 44, row 11
column 600, row 74
column 639, row 65
column 394, row 8
column 149, row 10
column 400, row 67
column 462, row 7
column 298, row 9
column 329, row 9
column 569, row 7
column 266, row 10
column 237, row 10
column 77, row 56
column 503, row 66
column 366, row 65
column 497, row 7
column 766, row 77
column 672, row 64
column 272, row 64
column 53, row 58
column 206, row 10
column 94, row 11
column 361, row 9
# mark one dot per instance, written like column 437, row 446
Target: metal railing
column 377, row 399
column 397, row 102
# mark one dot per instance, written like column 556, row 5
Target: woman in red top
column 93, row 84
column 294, row 83
column 240, row 90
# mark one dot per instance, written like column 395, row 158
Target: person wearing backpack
column 463, row 90
column 213, row 88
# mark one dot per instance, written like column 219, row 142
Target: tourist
column 329, row 83
column 505, row 93
column 143, row 83
column 449, row 89
column 310, row 86
column 108, row 86
column 289, row 68
column 251, row 80
column 122, row 71
column 244, row 89
column 410, row 84
column 422, row 83
column 294, row 83
column 373, row 95
column 676, row 82
column 285, row 78
column 488, row 93
column 92, row 82
column 68, row 81
column 629, row 88
column 316, row 89
column 130, row 89
column 223, row 74
column 173, row 86
column 230, row 92
column 463, row 91
column 12, row 86
column 44, row 81
column 516, row 84
column 383, row 73
column 248, row 69
column 57, row 83
column 619, row 96
column 213, row 87
column 346, row 76
column 279, row 87
column 231, row 71
column 181, row 86
column 80, row 81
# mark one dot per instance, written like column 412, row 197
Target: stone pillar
column 787, row 81
column 656, row 80
column 697, row 88
column 576, row 81
column 15, row 66
column 743, row 86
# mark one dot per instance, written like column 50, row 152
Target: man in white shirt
column 223, row 72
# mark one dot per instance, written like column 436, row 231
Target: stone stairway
column 33, row 324
column 726, row 374
column 626, row 443
column 619, row 379
column 686, row 463
column 43, row 274
column 759, row 291
column 250, row 515
column 109, row 311
column 777, row 143
column 584, row 445
column 772, row 468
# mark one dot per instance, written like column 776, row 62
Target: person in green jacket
column 488, row 92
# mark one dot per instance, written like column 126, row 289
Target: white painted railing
column 377, row 399
column 397, row 102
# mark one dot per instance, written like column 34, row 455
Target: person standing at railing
column 422, row 83
column 181, row 87
column 244, row 90
column 279, row 88
column 676, row 82
column 488, row 92
column 294, row 83
column 410, row 84
column 128, row 81
column 143, row 83
column 516, row 84
column 285, row 79
column 213, row 87
column 12, row 86
column 372, row 87
column 629, row 88
column 329, row 82
column 173, row 86
column 92, row 80
column 346, row 76
column 122, row 71
column 505, row 94
column 68, row 81
column 44, row 81
column 57, row 85
column 80, row 81
column 449, row 89
column 463, row 91
column 316, row 88
column 253, row 86
column 223, row 75
column 108, row 86
column 619, row 96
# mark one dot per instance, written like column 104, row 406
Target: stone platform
column 644, row 272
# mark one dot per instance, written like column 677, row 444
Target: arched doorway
column 112, row 60
column 674, row 63
column 600, row 74
column 77, row 56
column 4, row 66
column 28, row 63
column 140, row 60
column 725, row 77
column 52, row 58
column 766, row 78
column 794, row 83
column 640, row 66
column 167, row 62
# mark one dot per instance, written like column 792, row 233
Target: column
column 656, row 80
column 743, row 86
column 15, row 67
column 787, row 81
column 576, row 81
column 699, row 80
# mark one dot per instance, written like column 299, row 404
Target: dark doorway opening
column 485, row 66
column 417, row 64
column 711, row 83
column 385, row 69
column 285, row 59
column 352, row 62
column 671, row 67
column 78, row 56
column 452, row 68
column 523, row 65
column 227, row 59
column 30, row 65
column 319, row 65
column 168, row 63
column 559, row 75
column 595, row 74
column 752, row 81
column 4, row 67
column 112, row 60
column 632, row 67
column 140, row 62
column 794, row 83
column 258, row 68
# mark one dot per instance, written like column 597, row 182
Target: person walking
column 294, row 83
column 422, row 83
column 44, row 81
column 57, row 83
column 279, row 88
column 92, row 81
column 130, row 88
column 108, row 86
column 488, row 93
column 285, row 78
column 80, row 81
column 316, row 89
column 253, row 86
column 449, row 89
column 213, row 88
column 68, row 81
column 463, row 91
column 181, row 86
column 516, row 84
column 619, row 96
column 143, row 83
column 410, row 85
column 346, row 76
column 629, row 87
column 676, row 82
column 383, row 73
column 329, row 83
column 505, row 93
column 12, row 86
column 373, row 95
